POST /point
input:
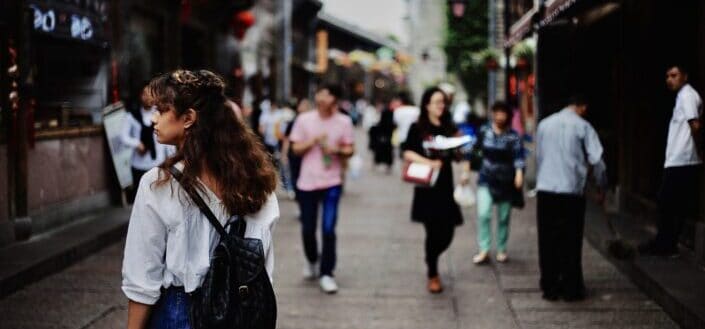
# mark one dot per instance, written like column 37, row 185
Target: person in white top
column 138, row 134
column 405, row 115
column 679, row 188
column 169, row 241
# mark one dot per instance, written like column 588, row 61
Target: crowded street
column 381, row 279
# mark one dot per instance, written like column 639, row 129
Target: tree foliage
column 464, row 37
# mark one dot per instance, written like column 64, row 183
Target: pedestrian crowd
column 188, row 137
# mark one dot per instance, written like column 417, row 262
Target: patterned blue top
column 502, row 155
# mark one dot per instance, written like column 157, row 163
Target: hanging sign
column 77, row 20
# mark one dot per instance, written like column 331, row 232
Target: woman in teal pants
column 500, row 176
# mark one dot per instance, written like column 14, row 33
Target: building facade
column 616, row 53
column 62, row 63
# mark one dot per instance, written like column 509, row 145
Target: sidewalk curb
column 27, row 262
column 677, row 308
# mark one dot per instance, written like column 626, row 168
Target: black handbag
column 236, row 292
column 518, row 198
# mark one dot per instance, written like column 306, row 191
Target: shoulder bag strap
column 200, row 203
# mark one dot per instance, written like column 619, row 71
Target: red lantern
column 246, row 18
column 242, row 21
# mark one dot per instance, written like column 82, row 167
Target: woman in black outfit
column 434, row 206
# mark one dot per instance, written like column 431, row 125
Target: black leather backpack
column 236, row 292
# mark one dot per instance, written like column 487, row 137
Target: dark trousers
column 295, row 169
column 560, row 221
column 136, row 177
column 309, row 202
column 439, row 235
column 678, row 197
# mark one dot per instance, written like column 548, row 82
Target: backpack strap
column 241, row 225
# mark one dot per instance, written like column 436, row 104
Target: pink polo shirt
column 315, row 174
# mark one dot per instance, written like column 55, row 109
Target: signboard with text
column 80, row 20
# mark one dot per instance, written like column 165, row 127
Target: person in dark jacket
column 381, row 140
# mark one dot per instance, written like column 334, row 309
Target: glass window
column 71, row 81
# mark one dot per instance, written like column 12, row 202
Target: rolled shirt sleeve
column 690, row 105
column 260, row 225
column 594, row 151
column 145, row 246
column 298, row 132
column 348, row 137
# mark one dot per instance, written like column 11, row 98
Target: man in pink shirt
column 324, row 138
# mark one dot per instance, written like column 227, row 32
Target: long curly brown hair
column 217, row 142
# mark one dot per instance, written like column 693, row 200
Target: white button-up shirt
column 565, row 145
column 169, row 241
column 681, row 149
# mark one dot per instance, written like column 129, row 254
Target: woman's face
column 169, row 128
column 437, row 105
column 304, row 106
column 500, row 118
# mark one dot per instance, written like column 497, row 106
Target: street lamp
column 458, row 7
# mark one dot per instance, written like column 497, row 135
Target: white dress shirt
column 169, row 241
column 681, row 149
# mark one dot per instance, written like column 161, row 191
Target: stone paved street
column 382, row 278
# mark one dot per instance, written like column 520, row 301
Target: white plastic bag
column 355, row 167
column 464, row 195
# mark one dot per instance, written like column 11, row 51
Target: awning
column 589, row 11
column 555, row 8
column 519, row 30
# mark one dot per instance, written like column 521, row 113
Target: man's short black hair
column 333, row 89
column 405, row 98
column 680, row 66
column 578, row 99
column 500, row 106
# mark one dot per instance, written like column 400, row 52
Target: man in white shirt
column 679, row 188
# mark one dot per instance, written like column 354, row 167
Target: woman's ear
column 190, row 118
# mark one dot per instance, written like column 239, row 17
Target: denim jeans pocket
column 172, row 310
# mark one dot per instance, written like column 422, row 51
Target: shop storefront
column 616, row 54
column 58, row 56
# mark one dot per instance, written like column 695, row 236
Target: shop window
column 71, row 83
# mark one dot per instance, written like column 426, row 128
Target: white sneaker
column 310, row 271
column 481, row 258
column 328, row 284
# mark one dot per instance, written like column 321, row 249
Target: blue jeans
column 172, row 310
column 309, row 202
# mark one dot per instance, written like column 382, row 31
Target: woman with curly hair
column 169, row 241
